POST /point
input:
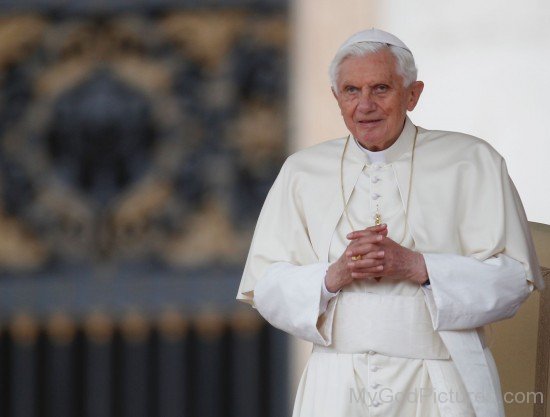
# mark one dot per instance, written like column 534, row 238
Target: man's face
column 373, row 100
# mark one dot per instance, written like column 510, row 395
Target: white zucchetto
column 374, row 35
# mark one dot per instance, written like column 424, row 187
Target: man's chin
column 371, row 133
column 370, row 143
column 369, row 139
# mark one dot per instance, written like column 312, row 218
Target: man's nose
column 366, row 102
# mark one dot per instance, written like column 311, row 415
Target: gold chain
column 378, row 217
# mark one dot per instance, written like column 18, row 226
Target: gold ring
column 356, row 258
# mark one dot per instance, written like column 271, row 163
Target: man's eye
column 350, row 89
column 382, row 88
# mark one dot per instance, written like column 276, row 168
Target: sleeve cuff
column 326, row 296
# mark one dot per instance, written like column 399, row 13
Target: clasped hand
column 372, row 254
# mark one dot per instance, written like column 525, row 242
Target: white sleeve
column 466, row 293
column 326, row 296
column 290, row 297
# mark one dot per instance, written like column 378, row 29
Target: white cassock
column 394, row 348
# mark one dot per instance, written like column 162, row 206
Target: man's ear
column 334, row 93
column 415, row 90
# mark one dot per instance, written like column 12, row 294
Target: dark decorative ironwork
column 138, row 139
column 137, row 143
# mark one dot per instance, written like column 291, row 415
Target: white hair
column 404, row 60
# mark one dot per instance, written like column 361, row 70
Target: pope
column 390, row 249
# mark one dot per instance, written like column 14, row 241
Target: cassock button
column 375, row 179
column 375, row 403
column 375, row 196
column 374, row 368
column 374, row 385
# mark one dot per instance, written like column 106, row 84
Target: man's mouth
column 369, row 122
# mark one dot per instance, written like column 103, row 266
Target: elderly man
column 390, row 249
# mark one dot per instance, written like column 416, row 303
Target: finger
column 376, row 227
column 374, row 255
column 362, row 249
column 369, row 230
column 367, row 240
column 371, row 256
column 360, row 264
column 370, row 238
column 368, row 273
column 373, row 229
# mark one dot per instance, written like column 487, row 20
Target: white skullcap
column 374, row 35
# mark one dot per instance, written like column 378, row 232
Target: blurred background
column 138, row 140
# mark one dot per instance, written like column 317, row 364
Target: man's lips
column 369, row 122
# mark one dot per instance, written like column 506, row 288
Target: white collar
column 375, row 157
column 401, row 146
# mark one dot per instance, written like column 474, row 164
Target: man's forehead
column 376, row 66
